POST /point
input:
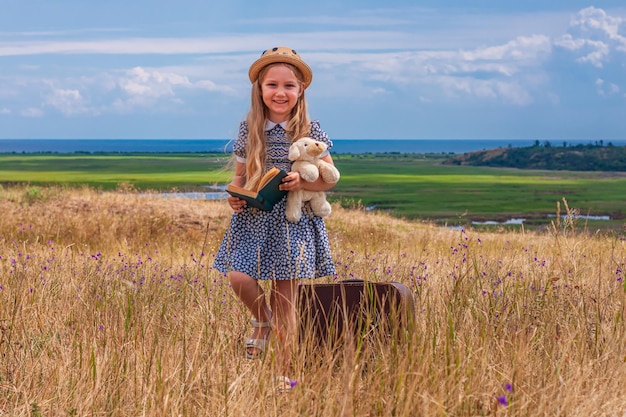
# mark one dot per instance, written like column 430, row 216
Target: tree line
column 543, row 155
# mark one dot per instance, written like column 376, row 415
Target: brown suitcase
column 367, row 309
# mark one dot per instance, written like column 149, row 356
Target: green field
column 407, row 185
column 416, row 186
column 108, row 171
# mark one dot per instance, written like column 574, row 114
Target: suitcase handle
column 361, row 281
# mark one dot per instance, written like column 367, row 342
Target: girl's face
column 280, row 90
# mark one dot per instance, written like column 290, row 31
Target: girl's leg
column 251, row 294
column 283, row 302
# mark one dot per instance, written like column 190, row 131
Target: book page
column 240, row 190
column 268, row 177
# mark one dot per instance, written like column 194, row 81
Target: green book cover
column 268, row 193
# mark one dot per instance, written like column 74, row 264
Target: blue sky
column 408, row 69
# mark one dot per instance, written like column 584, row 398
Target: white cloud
column 157, row 83
column 145, row 87
column 159, row 46
column 599, row 54
column 510, row 92
column 67, row 101
column 606, row 89
column 508, row 73
column 96, row 92
column 567, row 41
column 53, row 33
column 522, row 48
column 596, row 35
column 365, row 19
column 151, row 83
column 32, row 112
column 598, row 50
column 209, row 85
column 592, row 20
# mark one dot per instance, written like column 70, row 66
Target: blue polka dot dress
column 264, row 244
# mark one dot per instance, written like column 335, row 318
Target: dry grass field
column 109, row 307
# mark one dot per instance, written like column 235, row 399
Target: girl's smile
column 280, row 90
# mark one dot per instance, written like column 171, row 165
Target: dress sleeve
column 320, row 134
column 239, row 148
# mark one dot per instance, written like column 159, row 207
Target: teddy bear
column 305, row 154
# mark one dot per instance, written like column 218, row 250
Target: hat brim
column 264, row 61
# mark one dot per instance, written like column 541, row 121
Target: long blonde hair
column 298, row 126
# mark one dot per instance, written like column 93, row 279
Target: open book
column 267, row 193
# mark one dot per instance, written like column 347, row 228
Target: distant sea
column 456, row 146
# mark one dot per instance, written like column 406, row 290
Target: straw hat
column 281, row 54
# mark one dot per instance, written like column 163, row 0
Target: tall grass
column 109, row 306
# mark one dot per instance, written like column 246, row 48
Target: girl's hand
column 291, row 182
column 236, row 203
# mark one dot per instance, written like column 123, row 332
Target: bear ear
column 294, row 152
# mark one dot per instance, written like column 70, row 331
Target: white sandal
column 259, row 344
column 284, row 384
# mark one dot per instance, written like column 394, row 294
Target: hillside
column 109, row 305
column 591, row 157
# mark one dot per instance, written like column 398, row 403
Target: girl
column 262, row 245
